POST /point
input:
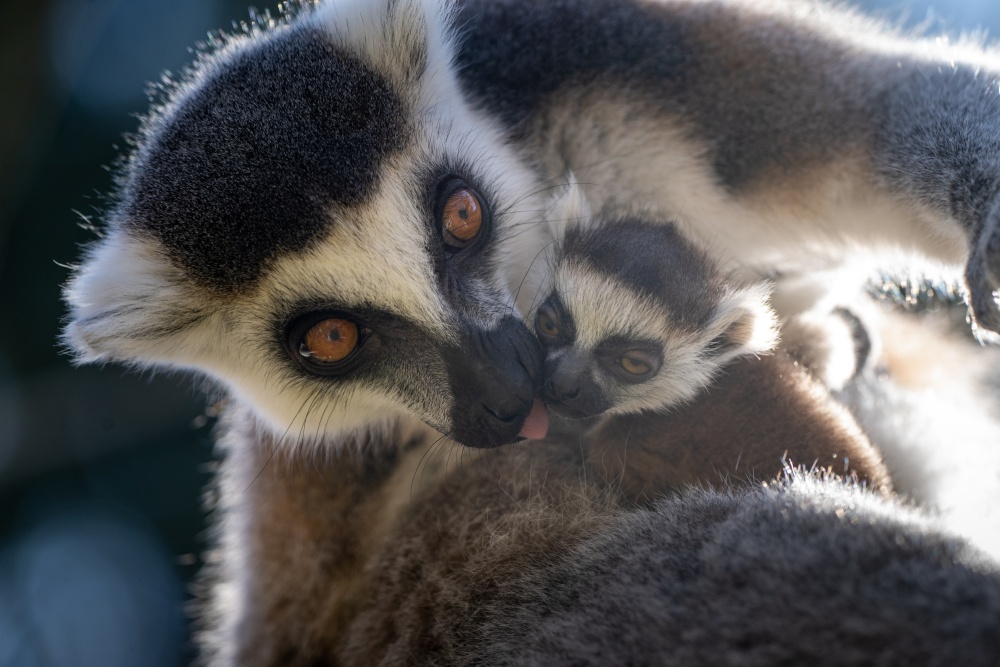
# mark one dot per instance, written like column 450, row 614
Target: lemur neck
column 301, row 523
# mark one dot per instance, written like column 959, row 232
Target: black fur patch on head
column 244, row 168
column 651, row 259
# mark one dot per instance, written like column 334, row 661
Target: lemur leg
column 786, row 136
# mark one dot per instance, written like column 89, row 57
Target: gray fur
column 772, row 92
column 688, row 59
column 809, row 573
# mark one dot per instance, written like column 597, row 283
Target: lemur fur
column 636, row 317
column 403, row 550
column 310, row 174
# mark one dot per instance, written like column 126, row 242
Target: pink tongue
column 536, row 424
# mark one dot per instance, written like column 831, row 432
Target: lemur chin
column 335, row 217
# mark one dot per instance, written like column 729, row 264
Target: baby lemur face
column 638, row 318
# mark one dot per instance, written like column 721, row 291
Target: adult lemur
column 332, row 216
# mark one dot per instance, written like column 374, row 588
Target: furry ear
column 568, row 207
column 128, row 303
column 742, row 324
column 394, row 36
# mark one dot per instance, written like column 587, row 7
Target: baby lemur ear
column 742, row 324
column 568, row 207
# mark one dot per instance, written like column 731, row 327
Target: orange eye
column 330, row 341
column 635, row 363
column 547, row 325
column 461, row 218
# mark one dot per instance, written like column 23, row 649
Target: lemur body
column 330, row 216
column 640, row 325
column 396, row 551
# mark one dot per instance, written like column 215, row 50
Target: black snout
column 494, row 375
column 570, row 388
column 563, row 387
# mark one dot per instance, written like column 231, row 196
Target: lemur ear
column 127, row 303
column 394, row 36
column 568, row 207
column 743, row 324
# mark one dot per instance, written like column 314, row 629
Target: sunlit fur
column 786, row 204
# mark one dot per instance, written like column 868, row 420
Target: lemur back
column 759, row 418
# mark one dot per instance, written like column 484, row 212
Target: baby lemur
column 640, row 326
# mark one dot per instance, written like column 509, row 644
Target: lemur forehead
column 603, row 307
column 246, row 162
column 650, row 258
column 371, row 263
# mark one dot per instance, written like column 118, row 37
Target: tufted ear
column 742, row 324
column 568, row 207
column 396, row 37
column 128, row 303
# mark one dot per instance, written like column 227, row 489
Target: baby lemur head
column 638, row 318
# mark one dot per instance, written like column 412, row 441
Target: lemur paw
column 833, row 346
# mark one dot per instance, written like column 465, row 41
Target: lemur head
column 638, row 318
column 316, row 219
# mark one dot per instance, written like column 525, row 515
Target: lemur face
column 638, row 318
column 318, row 221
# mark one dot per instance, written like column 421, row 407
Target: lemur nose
column 506, row 413
column 563, row 388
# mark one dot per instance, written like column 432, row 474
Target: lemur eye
column 330, row 340
column 547, row 323
column 461, row 215
column 638, row 362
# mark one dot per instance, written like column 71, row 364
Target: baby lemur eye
column 547, row 323
column 637, row 365
column 461, row 214
column 633, row 365
column 330, row 341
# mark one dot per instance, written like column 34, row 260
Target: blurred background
column 102, row 471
